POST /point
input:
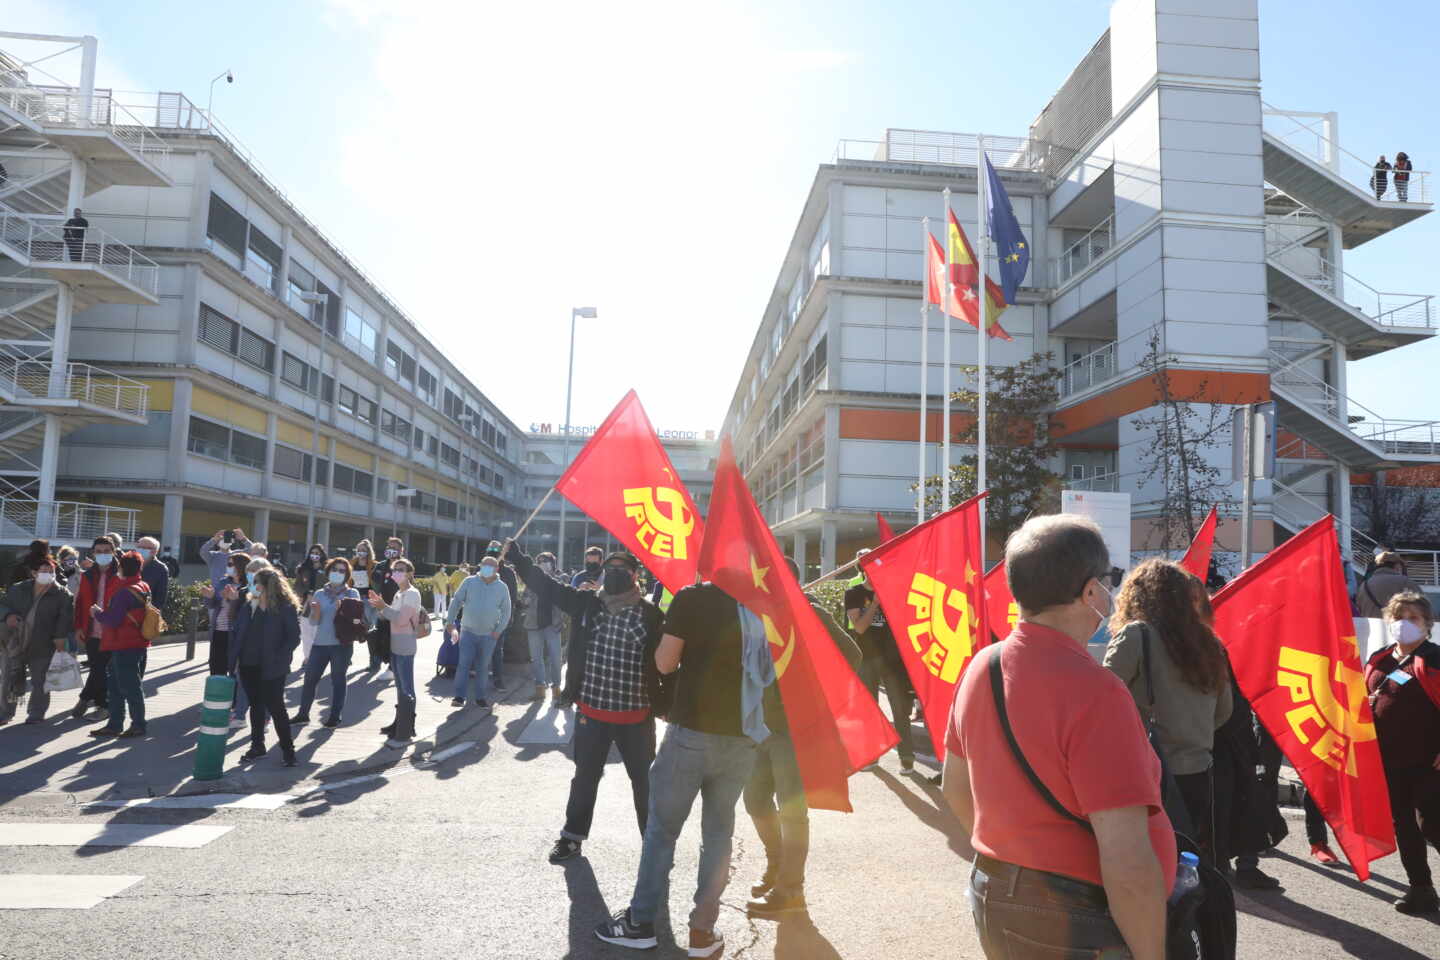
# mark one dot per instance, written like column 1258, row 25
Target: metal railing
column 57, row 106
column 938, row 146
column 44, row 239
column 1108, row 482
column 1106, row 363
column 1379, row 307
column 23, row 519
column 23, row 377
column 1395, row 437
column 1312, row 135
column 1084, row 372
column 1086, row 250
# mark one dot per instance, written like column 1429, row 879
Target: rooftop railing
column 936, row 146
column 46, row 239
column 55, row 106
column 1313, row 135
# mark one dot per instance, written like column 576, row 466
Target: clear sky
column 494, row 164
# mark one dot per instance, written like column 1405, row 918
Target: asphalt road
column 449, row 861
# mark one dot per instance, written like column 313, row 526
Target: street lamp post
column 466, row 422
column 589, row 313
column 229, row 77
column 322, row 300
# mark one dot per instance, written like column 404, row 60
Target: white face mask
column 1109, row 605
column 392, row 553
column 45, row 579
column 547, row 566
column 1404, row 633
column 400, row 577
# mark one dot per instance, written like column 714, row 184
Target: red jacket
column 124, row 613
column 85, row 597
column 1427, row 668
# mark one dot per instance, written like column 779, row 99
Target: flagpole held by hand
column 827, row 576
column 543, row 500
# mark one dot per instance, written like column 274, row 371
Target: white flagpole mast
column 924, row 358
column 983, row 352
column 945, row 402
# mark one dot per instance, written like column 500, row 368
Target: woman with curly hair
column 1184, row 692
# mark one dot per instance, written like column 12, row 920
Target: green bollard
column 214, row 728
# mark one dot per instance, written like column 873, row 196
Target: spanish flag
column 965, row 274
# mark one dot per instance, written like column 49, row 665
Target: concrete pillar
column 832, row 454
column 829, row 537
column 170, row 525
column 282, row 277
column 200, row 201
column 322, row 533
column 800, row 548
column 60, row 342
column 261, row 529
column 1342, row 510
column 179, row 432
column 89, row 51
column 49, row 456
column 370, row 535
column 267, row 478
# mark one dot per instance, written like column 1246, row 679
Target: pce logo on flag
column 943, row 649
column 1308, row 679
column 663, row 532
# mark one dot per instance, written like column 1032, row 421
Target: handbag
column 349, row 620
column 1199, row 924
column 1170, row 796
column 64, row 674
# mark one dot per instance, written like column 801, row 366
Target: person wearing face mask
column 327, row 650
column 542, row 628
column 96, row 587
column 439, row 590
column 172, row 566
column 309, row 577
column 215, row 553
column 507, row 577
column 267, row 631
column 1403, row 681
column 590, row 573
column 67, row 565
column 153, row 572
column 1185, row 692
column 120, row 620
column 613, row 681
column 1076, row 727
column 880, row 662
column 403, row 613
column 362, row 574
column 384, row 586
column 482, row 608
column 42, row 610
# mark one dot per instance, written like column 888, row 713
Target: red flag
column 835, row 724
column 1000, row 607
column 1287, row 624
column 624, row 480
column 883, row 525
column 929, row 584
column 1197, row 558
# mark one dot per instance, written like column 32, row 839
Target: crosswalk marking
column 202, row 801
column 69, row 891
column 44, row 834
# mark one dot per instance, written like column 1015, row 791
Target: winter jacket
column 54, row 617
column 1376, row 590
column 278, row 635
column 123, row 614
column 86, row 597
column 157, row 576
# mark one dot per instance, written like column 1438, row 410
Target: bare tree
column 1177, row 452
column 1396, row 515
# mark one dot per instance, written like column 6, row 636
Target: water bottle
column 1187, row 876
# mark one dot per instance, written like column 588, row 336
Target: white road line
column 69, row 891
column 393, row 772
column 202, row 801
column 450, row 751
column 45, row 834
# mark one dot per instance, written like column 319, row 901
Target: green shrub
column 178, row 601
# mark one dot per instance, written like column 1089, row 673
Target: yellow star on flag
column 758, row 573
column 969, row 573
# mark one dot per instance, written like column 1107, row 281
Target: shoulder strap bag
column 1170, row 796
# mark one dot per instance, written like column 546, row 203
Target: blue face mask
column 146, row 554
column 103, row 559
column 250, row 579
column 337, row 577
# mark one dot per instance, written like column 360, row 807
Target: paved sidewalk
column 60, row 755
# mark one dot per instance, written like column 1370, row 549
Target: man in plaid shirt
column 611, row 678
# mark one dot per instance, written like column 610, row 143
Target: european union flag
column 1010, row 244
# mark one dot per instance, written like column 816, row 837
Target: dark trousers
column 1196, row 790
column 590, row 746
column 266, row 696
column 220, row 653
column 1415, row 805
column 39, row 666
column 874, row 671
column 97, row 684
column 1023, row 914
column 775, row 800
column 336, row 656
column 1315, row 830
column 124, row 681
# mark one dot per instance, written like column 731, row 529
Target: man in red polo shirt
column 1042, row 883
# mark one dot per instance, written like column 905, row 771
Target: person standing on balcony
column 74, row 234
column 1380, row 179
column 1387, row 579
column 96, row 586
column 1402, row 176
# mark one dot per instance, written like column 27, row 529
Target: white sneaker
column 237, row 723
column 384, row 675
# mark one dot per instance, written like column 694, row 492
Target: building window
column 296, row 464
column 449, row 455
column 454, row 406
column 350, row 480
column 446, row 509
column 264, row 255
column 359, row 407
column 360, row 335
column 225, row 334
column 428, row 385
column 223, row 443
column 227, row 226
column 300, row 374
column 395, row 426
column 432, row 445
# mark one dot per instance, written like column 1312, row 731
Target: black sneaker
column 483, row 706
column 767, row 880
column 777, row 903
column 1418, row 901
column 564, row 849
column 622, row 932
column 332, row 721
column 300, row 719
column 705, row 943
column 1252, row 878
column 81, row 708
column 456, row 702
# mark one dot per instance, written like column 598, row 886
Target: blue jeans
column 545, row 655
column 336, row 656
column 475, row 651
column 123, row 682
column 497, row 659
column 690, row 762
column 403, row 666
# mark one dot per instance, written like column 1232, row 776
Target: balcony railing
column 1086, row 371
column 1127, row 355
column 1395, row 437
column 23, row 519
column 22, row 377
column 1312, row 135
column 54, row 106
column 937, row 146
column 47, row 240
column 1085, row 251
column 1380, row 307
column 1108, row 482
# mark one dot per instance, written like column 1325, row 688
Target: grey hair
column 1049, row 560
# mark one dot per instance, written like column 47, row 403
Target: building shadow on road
column 587, row 908
column 798, row 939
column 1363, row 943
column 1340, row 873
